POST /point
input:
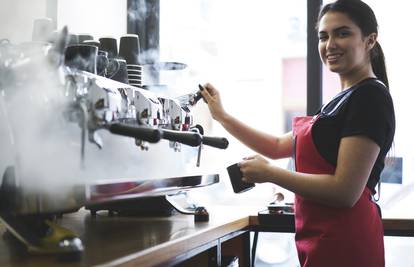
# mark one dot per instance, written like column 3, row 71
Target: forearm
column 322, row 188
column 263, row 143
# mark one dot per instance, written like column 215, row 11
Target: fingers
column 246, row 165
column 205, row 93
column 210, row 91
column 210, row 88
column 242, row 166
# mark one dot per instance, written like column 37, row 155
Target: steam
column 44, row 147
column 32, row 104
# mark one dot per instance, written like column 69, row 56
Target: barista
column 339, row 153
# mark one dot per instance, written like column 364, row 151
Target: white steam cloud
column 44, row 147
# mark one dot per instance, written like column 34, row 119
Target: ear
column 371, row 40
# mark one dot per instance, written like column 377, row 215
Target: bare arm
column 356, row 157
column 263, row 143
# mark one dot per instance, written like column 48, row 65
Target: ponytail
column 378, row 63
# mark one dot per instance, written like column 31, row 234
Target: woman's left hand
column 255, row 169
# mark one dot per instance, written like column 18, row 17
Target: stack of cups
column 129, row 50
column 42, row 29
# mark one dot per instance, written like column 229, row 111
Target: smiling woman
column 335, row 216
column 396, row 199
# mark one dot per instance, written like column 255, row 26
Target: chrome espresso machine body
column 56, row 118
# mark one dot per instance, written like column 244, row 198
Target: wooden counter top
column 135, row 241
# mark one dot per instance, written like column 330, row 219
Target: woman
column 339, row 153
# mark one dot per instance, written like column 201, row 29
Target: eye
column 344, row 33
column 323, row 37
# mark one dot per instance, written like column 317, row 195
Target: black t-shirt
column 364, row 109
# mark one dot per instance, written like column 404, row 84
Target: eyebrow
column 338, row 29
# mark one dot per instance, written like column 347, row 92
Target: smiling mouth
column 333, row 57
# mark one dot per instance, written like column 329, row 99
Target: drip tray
column 143, row 206
column 143, row 198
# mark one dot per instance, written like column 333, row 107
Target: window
column 254, row 52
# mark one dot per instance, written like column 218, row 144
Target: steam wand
column 217, row 142
column 84, row 125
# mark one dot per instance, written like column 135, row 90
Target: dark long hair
column 363, row 16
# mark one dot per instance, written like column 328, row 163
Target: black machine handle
column 217, row 142
column 142, row 133
column 187, row 138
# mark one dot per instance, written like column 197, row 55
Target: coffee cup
column 82, row 57
column 110, row 45
column 129, row 48
column 237, row 183
column 73, row 39
column 92, row 42
column 117, row 70
column 84, row 37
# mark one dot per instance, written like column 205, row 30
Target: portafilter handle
column 187, row 138
column 142, row 133
column 217, row 142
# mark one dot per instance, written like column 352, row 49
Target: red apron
column 330, row 236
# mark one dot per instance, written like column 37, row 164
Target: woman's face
column 342, row 47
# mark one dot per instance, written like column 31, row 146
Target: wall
column 96, row 17
column 16, row 18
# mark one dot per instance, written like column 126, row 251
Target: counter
column 135, row 241
column 164, row 241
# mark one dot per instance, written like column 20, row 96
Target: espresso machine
column 57, row 118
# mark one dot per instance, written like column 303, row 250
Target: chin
column 333, row 68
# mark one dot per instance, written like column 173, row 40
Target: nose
column 331, row 43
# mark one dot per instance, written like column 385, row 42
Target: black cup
column 236, row 179
column 82, row 57
column 129, row 48
column 109, row 45
column 117, row 70
column 92, row 42
column 73, row 39
column 84, row 37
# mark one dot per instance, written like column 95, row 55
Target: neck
column 350, row 79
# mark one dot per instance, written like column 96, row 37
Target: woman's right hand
column 212, row 97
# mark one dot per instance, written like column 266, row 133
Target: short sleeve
column 369, row 112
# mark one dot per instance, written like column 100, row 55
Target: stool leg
column 254, row 247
